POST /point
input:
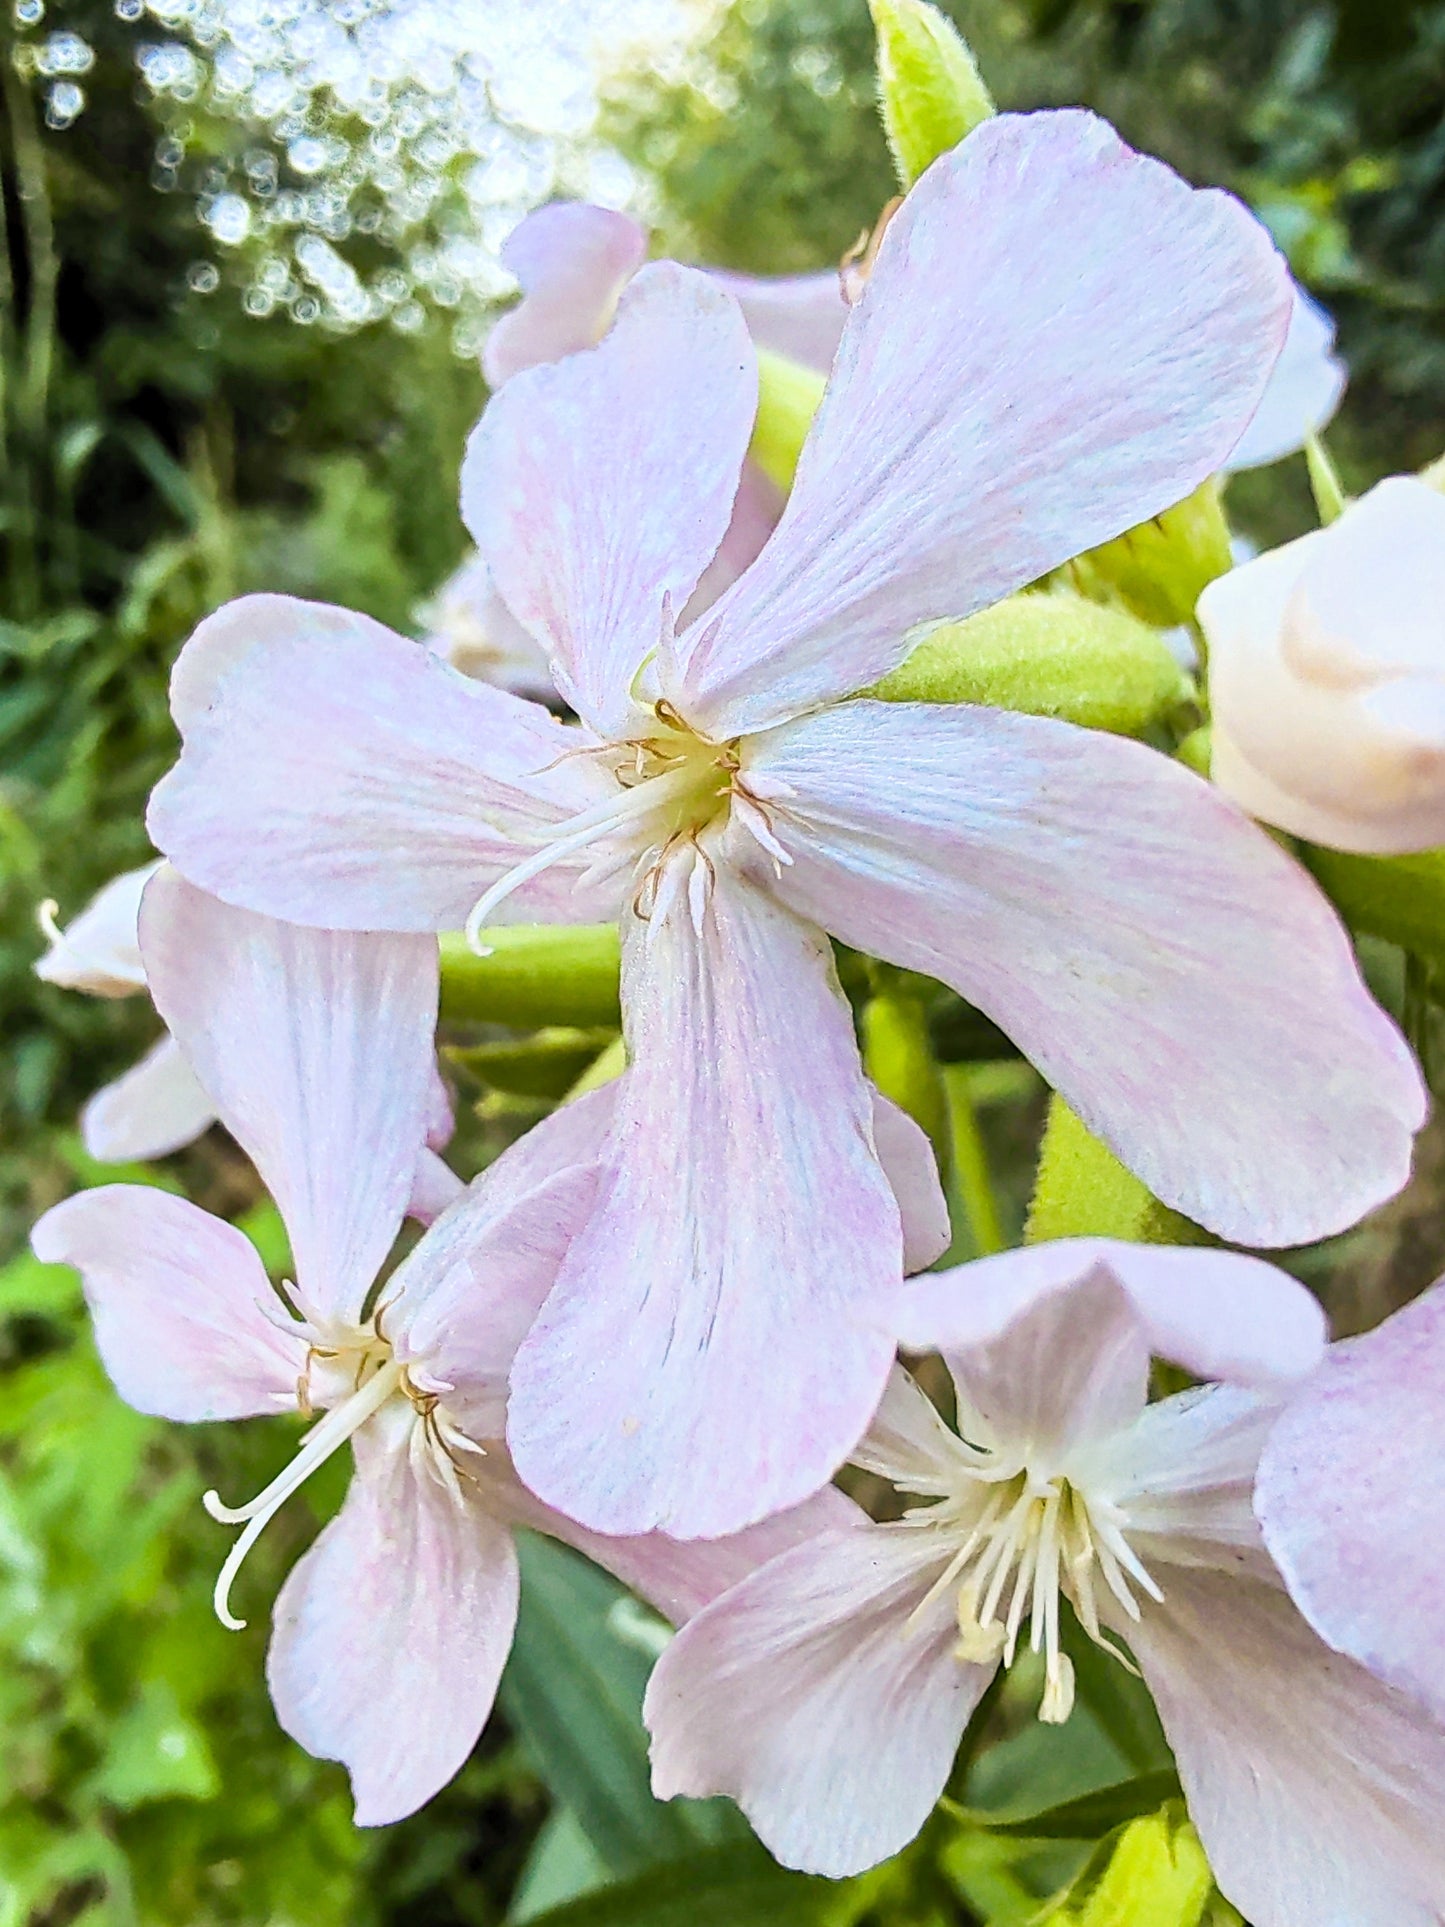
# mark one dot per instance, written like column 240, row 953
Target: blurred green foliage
column 160, row 451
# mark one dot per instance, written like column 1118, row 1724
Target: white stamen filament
column 575, row 833
column 320, row 1442
column 1024, row 1538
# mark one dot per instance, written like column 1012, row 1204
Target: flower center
column 674, row 784
column 360, row 1379
column 1021, row 1536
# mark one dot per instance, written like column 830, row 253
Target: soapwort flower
column 1327, row 676
column 391, row 1633
column 159, row 1105
column 1002, row 399
column 573, row 261
column 827, row 1692
column 1351, row 1499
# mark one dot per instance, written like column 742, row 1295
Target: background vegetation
column 161, row 450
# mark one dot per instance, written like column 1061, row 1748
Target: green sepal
column 1083, row 1191
column 1155, row 1876
column 1399, row 898
column 930, row 92
column 536, row 974
column 1158, row 570
column 788, row 397
column 1047, row 655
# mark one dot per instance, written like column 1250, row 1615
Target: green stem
column 969, row 1158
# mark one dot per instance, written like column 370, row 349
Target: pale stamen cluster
column 675, row 785
column 1018, row 1534
column 358, row 1376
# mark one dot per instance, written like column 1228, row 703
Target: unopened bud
column 1158, row 569
column 1047, row 655
column 929, row 88
column 1327, row 677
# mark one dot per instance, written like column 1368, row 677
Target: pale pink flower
column 1351, row 1497
column 159, row 1106
column 1303, row 393
column 391, row 1633
column 468, row 625
column 573, row 261
column 1002, row 399
column 1327, row 676
column 827, row 1692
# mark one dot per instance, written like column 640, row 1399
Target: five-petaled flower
column 827, row 1692
column 316, row 1051
column 1003, row 398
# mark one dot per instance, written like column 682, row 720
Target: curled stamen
column 318, row 1445
column 576, row 833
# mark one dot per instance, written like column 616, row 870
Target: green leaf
column 546, row 1064
column 1156, row 1876
column 155, row 1753
column 1399, row 898
column 1092, row 1814
column 562, row 1865
column 573, row 1692
column 930, row 92
column 1054, row 654
column 536, row 974
column 736, row 1886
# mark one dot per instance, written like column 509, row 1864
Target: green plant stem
column 971, row 1173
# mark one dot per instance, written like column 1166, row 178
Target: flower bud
column 1047, row 655
column 929, row 87
column 1327, row 677
column 1158, row 569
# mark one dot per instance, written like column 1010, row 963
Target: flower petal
column 1059, row 339
column 797, row 315
column 676, row 1576
column 1068, row 1370
column 1183, row 1475
column 465, row 1298
column 1219, row 1314
column 598, row 488
column 1303, row 392
column 1351, row 1502
column 180, row 1304
column 471, row 627
column 806, row 1695
column 391, row 1634
column 718, row 1335
column 97, row 952
column 317, row 1049
column 912, row 1171
column 1316, row 1791
column 573, row 261
column 343, row 776
column 435, row 1187
column 153, row 1109
column 1171, row 971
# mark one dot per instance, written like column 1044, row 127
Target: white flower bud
column 1327, row 677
